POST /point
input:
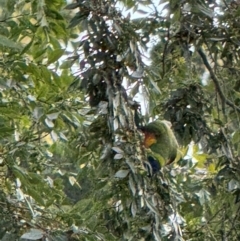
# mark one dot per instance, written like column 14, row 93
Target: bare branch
column 216, row 82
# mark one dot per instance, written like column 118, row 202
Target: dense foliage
column 72, row 161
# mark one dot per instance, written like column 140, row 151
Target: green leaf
column 121, row 173
column 138, row 73
column 77, row 19
column 118, row 156
column 63, row 137
column 203, row 9
column 73, row 5
column 236, row 137
column 49, row 123
column 133, row 208
column 118, row 150
column 27, row 47
column 55, row 42
column 6, row 42
column 155, row 86
column 53, row 116
column 46, row 73
column 132, row 185
column 151, row 206
column 21, row 174
column 203, row 196
column 54, row 136
column 67, row 64
column 38, row 112
column 39, row 52
column 34, row 234
column 55, row 55
column 36, row 195
column 233, row 185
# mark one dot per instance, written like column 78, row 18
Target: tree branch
column 216, row 82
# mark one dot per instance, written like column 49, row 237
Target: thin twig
column 233, row 222
column 203, row 226
column 18, row 16
column 216, row 82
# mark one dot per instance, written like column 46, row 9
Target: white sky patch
column 137, row 12
column 205, row 78
column 141, row 11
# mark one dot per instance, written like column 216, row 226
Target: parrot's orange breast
column 149, row 139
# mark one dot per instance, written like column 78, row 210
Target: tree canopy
column 79, row 79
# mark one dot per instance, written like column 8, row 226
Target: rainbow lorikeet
column 161, row 142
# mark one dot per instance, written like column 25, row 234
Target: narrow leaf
column 121, row 173
column 54, row 136
column 132, row 185
column 6, row 42
column 37, row 113
column 133, row 208
column 34, row 234
column 72, row 6
column 55, row 55
column 49, row 123
column 53, row 116
column 117, row 150
column 118, row 156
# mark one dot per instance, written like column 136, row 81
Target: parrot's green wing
column 158, row 157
